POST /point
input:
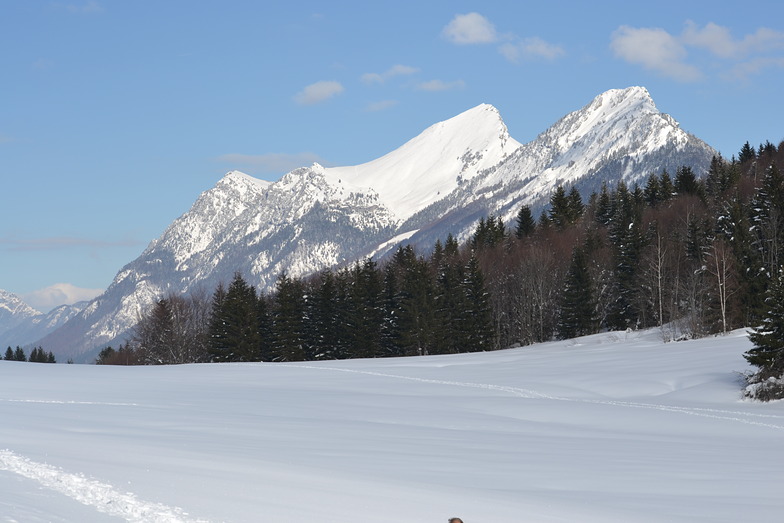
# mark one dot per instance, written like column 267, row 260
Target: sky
column 116, row 115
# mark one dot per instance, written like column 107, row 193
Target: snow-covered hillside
column 20, row 324
column 614, row 427
column 441, row 182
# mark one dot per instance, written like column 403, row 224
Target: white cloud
column 440, row 85
column 318, row 92
column 59, row 294
column 395, row 70
column 273, row 163
column 380, row 106
column 530, row 48
column 718, row 40
column 471, row 28
column 656, row 50
column 660, row 51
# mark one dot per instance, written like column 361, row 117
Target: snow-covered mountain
column 14, row 311
column 21, row 324
column 442, row 181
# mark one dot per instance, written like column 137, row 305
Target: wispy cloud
column 654, row 49
column 4, row 138
column 59, row 243
column 440, row 85
column 530, row 48
column 380, row 106
column 395, row 70
column 668, row 54
column 471, row 28
column 318, row 92
column 272, row 163
column 59, row 294
column 718, row 40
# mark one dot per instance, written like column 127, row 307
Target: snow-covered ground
column 612, row 427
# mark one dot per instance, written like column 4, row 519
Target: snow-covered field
column 612, row 427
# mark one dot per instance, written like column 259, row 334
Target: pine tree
column 604, row 206
column 449, row 303
column 768, row 339
column 367, row 311
column 234, row 326
column 19, row 354
column 576, row 207
column 525, row 224
column 767, row 220
column 560, row 209
column 746, row 153
column 390, row 328
column 9, row 354
column 289, row 335
column 625, row 234
column 476, row 319
column 667, row 187
column 416, row 303
column 577, row 311
column 686, row 182
column 653, row 191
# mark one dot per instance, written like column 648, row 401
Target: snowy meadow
column 610, row 427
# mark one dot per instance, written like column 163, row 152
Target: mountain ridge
column 441, row 181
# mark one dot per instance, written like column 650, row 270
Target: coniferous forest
column 692, row 255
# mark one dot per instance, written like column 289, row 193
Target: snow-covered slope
column 20, row 324
column 14, row 311
column 614, row 427
column 433, row 164
column 438, row 183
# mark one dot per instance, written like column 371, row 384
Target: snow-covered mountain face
column 438, row 183
column 21, row 324
column 14, row 311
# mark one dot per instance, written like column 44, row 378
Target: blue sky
column 116, row 115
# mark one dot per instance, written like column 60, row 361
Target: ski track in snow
column 101, row 496
column 749, row 418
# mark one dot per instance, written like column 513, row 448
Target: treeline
column 692, row 255
column 38, row 355
column 411, row 306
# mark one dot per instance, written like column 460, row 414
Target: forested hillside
column 692, row 255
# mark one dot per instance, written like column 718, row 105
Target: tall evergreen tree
column 768, row 339
column 234, row 326
column 746, row 153
column 289, row 342
column 19, row 354
column 686, row 182
column 525, row 223
column 653, row 191
column 667, row 187
column 560, row 208
column 476, row 317
column 390, row 328
column 625, row 234
column 577, row 304
column 9, row 354
column 604, row 206
column 368, row 314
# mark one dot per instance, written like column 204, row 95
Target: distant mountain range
column 440, row 182
column 21, row 324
